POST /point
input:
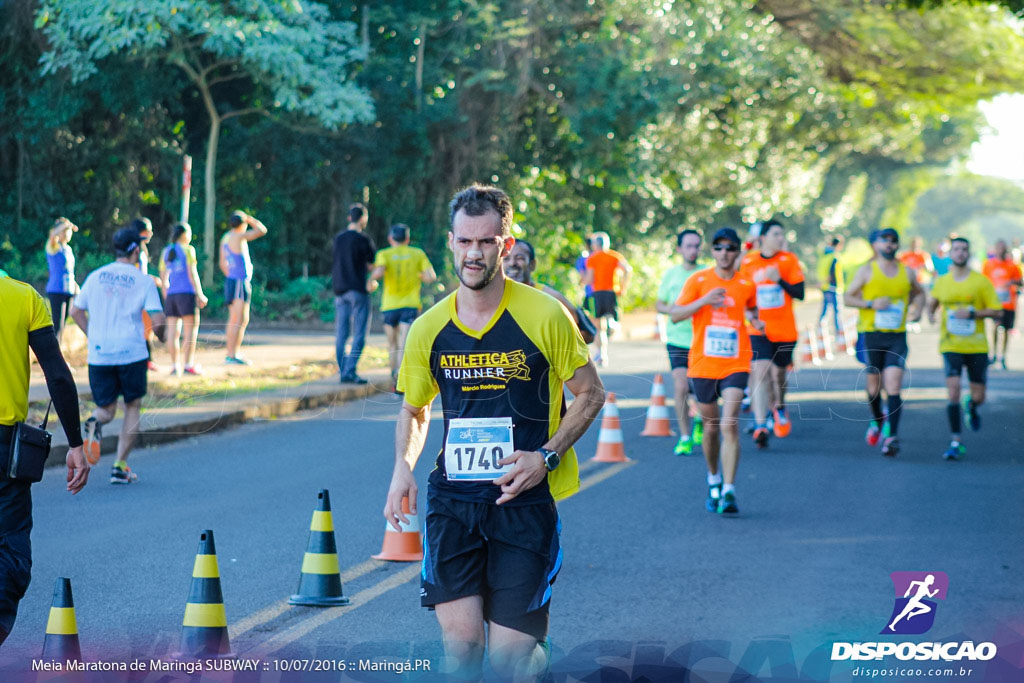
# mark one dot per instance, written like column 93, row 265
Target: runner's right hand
column 78, row 469
column 715, row 298
column 881, row 303
column 403, row 485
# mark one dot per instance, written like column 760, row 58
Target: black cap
column 884, row 232
column 126, row 240
column 726, row 234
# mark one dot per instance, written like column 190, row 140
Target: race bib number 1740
column 475, row 445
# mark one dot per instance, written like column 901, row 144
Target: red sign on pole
column 186, row 187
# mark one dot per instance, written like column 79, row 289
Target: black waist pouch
column 30, row 447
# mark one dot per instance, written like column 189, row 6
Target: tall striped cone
column 405, row 545
column 850, row 328
column 815, row 348
column 841, row 345
column 827, row 342
column 204, row 631
column 659, row 422
column 609, row 440
column 320, row 580
column 806, row 354
column 61, row 641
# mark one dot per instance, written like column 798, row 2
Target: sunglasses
column 722, row 247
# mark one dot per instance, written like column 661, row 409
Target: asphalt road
column 650, row 581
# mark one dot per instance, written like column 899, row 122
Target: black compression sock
column 953, row 413
column 895, row 408
column 876, row 407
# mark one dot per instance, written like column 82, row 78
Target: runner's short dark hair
column 356, row 212
column 960, row 239
column 529, row 249
column 477, row 200
column 689, row 231
column 768, row 225
column 399, row 232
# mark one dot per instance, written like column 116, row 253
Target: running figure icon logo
column 916, row 592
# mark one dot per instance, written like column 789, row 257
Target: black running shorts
column 510, row 556
column 976, row 364
column 606, row 303
column 107, row 382
column 710, row 390
column 881, row 350
column 1008, row 320
column 678, row 357
column 397, row 316
column 779, row 353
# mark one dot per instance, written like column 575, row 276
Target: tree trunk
column 210, row 202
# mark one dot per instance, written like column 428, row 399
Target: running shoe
column 698, row 431
column 122, row 474
column 780, row 423
column 684, row 446
column 1002, row 363
column 890, row 446
column 194, row 370
column 886, row 430
column 955, row 451
column 175, row 371
column 761, row 437
column 714, row 494
column 727, row 504
column 873, row 433
column 92, row 443
column 971, row 413
column 237, row 360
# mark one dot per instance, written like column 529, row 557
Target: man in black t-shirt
column 353, row 260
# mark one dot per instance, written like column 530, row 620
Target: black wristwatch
column 551, row 459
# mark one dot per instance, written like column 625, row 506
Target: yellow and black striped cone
column 320, row 580
column 61, row 641
column 204, row 632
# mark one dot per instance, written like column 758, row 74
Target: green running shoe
column 684, row 446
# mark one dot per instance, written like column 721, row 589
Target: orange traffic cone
column 405, row 545
column 806, row 354
column 850, row 332
column 827, row 342
column 658, row 422
column 609, row 440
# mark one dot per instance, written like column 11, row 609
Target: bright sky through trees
column 1001, row 152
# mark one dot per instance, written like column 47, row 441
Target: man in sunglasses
column 888, row 295
column 720, row 302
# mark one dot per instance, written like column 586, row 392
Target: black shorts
column 510, row 556
column 400, row 315
column 237, row 289
column 180, row 305
column 107, row 382
column 678, row 357
column 15, row 537
column 881, row 350
column 779, row 353
column 1008, row 320
column 976, row 364
column 606, row 303
column 710, row 390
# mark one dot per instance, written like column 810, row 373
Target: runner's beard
column 489, row 273
column 962, row 263
column 889, row 255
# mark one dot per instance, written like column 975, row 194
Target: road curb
column 241, row 412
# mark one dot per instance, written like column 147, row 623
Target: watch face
column 551, row 460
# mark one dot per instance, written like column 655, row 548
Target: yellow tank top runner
column 897, row 288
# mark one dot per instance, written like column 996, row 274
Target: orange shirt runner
column 918, row 261
column 721, row 344
column 605, row 265
column 1002, row 273
column 774, row 304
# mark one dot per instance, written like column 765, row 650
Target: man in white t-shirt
column 108, row 309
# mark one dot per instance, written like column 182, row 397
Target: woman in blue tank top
column 61, row 285
column 237, row 269
column 183, row 297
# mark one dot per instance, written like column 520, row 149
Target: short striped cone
column 204, row 631
column 320, row 580
column 659, row 421
column 405, row 545
column 609, row 440
column 61, row 641
column 841, row 345
column 850, row 328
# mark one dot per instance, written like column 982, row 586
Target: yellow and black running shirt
column 514, row 367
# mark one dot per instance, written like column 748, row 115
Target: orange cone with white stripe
column 815, row 347
column 609, row 440
column 827, row 342
column 405, row 545
column 850, row 332
column 806, row 355
column 659, row 421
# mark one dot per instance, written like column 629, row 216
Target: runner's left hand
column 527, row 472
